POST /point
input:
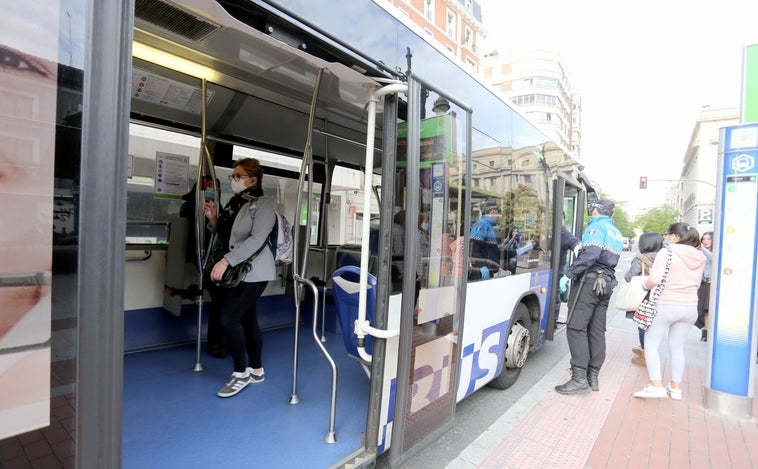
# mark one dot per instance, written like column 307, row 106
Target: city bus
column 378, row 148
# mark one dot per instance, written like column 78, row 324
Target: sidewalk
column 611, row 428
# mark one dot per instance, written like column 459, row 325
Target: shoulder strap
column 659, row 288
column 645, row 261
column 253, row 207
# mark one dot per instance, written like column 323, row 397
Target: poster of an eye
column 27, row 157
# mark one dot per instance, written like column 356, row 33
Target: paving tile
column 613, row 429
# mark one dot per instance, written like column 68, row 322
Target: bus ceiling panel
column 271, row 125
column 245, row 58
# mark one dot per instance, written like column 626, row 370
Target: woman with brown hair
column 244, row 226
column 704, row 292
column 681, row 263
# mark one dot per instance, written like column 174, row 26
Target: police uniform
column 592, row 277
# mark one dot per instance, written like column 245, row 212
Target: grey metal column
column 102, row 228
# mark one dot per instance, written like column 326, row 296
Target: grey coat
column 250, row 230
column 635, row 267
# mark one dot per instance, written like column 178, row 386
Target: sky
column 645, row 71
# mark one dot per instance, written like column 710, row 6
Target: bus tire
column 517, row 344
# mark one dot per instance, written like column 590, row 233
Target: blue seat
column 345, row 286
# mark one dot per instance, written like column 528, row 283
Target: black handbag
column 233, row 275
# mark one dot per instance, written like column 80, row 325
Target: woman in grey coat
column 244, row 226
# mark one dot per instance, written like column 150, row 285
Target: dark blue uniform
column 601, row 246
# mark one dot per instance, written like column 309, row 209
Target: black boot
column 592, row 374
column 577, row 383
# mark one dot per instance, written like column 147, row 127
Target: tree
column 658, row 219
column 622, row 222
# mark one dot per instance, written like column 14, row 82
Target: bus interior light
column 165, row 59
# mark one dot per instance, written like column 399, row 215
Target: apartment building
column 535, row 81
column 696, row 191
column 455, row 26
column 538, row 83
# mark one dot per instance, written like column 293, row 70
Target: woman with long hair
column 677, row 307
column 649, row 245
column 704, row 292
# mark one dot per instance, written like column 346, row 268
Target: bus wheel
column 516, row 349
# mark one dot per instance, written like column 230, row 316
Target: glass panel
column 345, row 207
column 40, row 128
column 438, row 267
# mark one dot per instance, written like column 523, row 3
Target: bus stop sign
column 732, row 335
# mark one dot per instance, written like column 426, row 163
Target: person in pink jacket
column 677, row 308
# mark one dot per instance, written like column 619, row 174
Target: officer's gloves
column 563, row 283
column 600, row 285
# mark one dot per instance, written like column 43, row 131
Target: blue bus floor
column 172, row 417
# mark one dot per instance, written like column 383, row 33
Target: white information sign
column 171, row 175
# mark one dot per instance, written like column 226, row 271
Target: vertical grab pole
column 306, row 163
column 200, row 234
column 204, row 164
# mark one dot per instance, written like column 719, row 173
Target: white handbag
column 631, row 294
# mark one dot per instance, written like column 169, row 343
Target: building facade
column 538, row 83
column 696, row 192
column 453, row 25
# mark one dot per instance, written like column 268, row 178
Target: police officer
column 593, row 277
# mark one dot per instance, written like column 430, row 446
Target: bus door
column 567, row 193
column 433, row 151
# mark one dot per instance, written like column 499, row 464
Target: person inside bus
column 216, row 344
column 512, row 242
column 397, row 249
column 593, row 274
column 485, row 248
column 244, row 224
column 422, row 250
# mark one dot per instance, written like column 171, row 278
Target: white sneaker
column 236, row 383
column 675, row 394
column 255, row 378
column 651, row 392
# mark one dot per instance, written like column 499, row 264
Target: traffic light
column 643, row 182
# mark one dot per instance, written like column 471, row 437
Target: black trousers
column 239, row 321
column 703, row 303
column 215, row 333
column 585, row 330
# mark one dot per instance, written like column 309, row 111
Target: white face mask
column 238, row 186
column 425, row 226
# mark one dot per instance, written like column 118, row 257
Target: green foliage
column 657, row 220
column 622, row 222
column 620, row 219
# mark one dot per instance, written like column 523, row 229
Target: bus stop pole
column 729, row 384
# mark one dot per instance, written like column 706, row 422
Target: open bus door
column 433, row 155
column 568, row 198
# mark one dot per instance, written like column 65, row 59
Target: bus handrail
column 331, row 436
column 361, row 324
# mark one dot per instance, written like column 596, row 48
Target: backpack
column 280, row 240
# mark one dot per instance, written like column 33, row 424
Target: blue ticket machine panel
column 732, row 338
